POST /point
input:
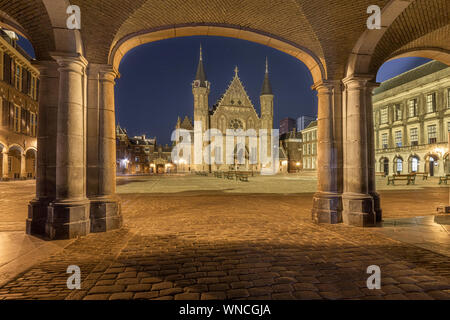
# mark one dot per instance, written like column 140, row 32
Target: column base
column 358, row 210
column 327, row 208
column 377, row 206
column 105, row 214
column 37, row 216
column 67, row 219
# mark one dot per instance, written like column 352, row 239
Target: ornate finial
column 236, row 70
column 267, row 65
column 201, row 55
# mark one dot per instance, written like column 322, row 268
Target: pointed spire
column 236, row 71
column 266, row 88
column 201, row 76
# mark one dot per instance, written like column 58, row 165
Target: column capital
column 359, row 81
column 47, row 68
column 328, row 85
column 103, row 71
column 70, row 61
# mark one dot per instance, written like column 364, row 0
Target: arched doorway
column 384, row 166
column 15, row 163
column 30, row 163
column 431, row 164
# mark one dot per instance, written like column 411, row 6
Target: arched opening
column 384, row 166
column 431, row 164
column 30, row 160
column 398, row 165
column 413, row 164
column 15, row 162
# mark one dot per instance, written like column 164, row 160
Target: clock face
column 196, row 83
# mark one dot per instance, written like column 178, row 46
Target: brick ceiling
column 329, row 28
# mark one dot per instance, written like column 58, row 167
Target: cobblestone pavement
column 215, row 246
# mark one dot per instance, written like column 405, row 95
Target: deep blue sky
column 155, row 83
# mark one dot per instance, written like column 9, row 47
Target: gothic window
column 236, row 124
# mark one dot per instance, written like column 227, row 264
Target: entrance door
column 431, row 167
column 386, row 166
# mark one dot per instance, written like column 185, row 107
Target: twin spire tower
column 234, row 110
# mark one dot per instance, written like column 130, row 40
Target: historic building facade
column 19, row 82
column 141, row 155
column 412, row 121
column 309, row 147
column 233, row 111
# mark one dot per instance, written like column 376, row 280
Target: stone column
column 326, row 201
column 5, row 167
column 105, row 211
column 371, row 152
column 68, row 215
column 46, row 145
column 358, row 204
column 23, row 166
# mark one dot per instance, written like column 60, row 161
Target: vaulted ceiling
column 327, row 28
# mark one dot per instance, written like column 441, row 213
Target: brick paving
column 213, row 246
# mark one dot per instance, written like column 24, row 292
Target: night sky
column 155, row 83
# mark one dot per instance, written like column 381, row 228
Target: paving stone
column 162, row 285
column 139, row 287
column 187, row 296
column 121, row 296
column 107, row 289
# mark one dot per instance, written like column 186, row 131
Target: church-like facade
column 234, row 112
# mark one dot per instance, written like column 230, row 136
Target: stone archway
column 78, row 68
column 30, row 163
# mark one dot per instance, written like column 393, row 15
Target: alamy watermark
column 374, row 20
column 73, row 22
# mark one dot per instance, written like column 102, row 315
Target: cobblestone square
column 204, row 238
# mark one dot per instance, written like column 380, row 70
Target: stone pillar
column 5, row 167
column 358, row 204
column 105, row 211
column 23, row 166
column 326, row 201
column 68, row 215
column 371, row 152
column 46, row 145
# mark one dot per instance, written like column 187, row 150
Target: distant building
column 291, row 149
column 19, row 89
column 233, row 111
column 141, row 155
column 309, row 147
column 287, row 125
column 412, row 120
column 303, row 122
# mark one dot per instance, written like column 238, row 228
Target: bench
column 423, row 174
column 410, row 178
column 243, row 177
column 228, row 175
column 444, row 179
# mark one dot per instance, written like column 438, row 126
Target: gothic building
column 233, row 111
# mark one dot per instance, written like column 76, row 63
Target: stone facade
column 19, row 82
column 141, row 155
column 233, row 112
column 412, row 121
